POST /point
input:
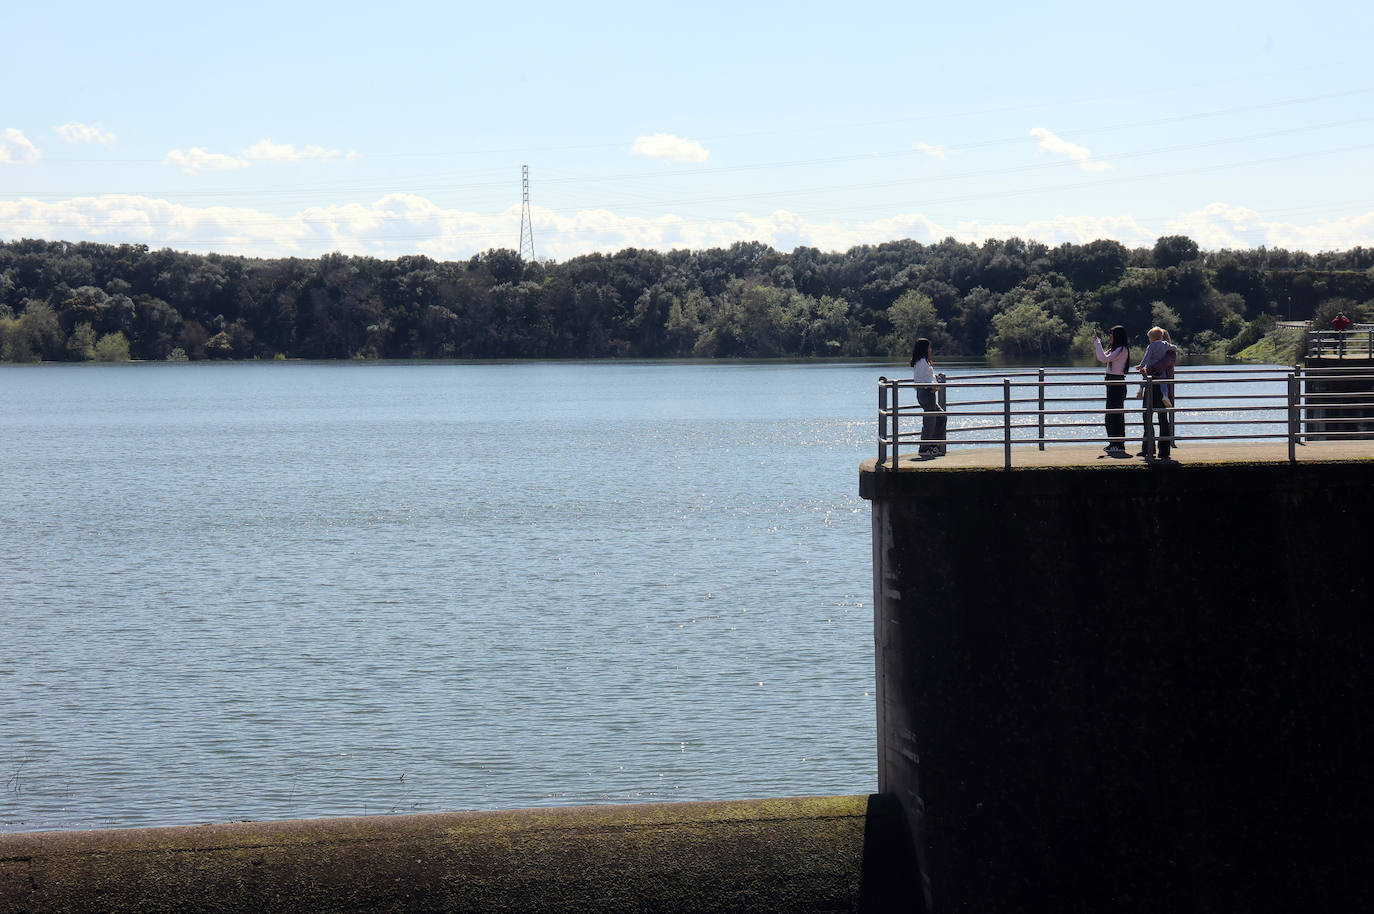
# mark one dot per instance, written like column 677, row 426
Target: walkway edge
column 776, row 855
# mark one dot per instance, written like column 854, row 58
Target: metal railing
column 1066, row 406
column 1355, row 343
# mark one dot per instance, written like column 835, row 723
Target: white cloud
column 1220, row 225
column 79, row 133
column 267, row 151
column 1060, row 229
column 15, row 148
column 667, row 146
column 198, row 159
column 400, row 224
column 937, row 152
column 1079, row 155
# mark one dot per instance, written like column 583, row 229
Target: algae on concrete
column 843, row 854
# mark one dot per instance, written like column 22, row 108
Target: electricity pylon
column 526, row 221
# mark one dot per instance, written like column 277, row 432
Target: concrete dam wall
column 1129, row 689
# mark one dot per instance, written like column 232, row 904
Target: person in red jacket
column 1340, row 323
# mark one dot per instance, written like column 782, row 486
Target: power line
column 426, row 180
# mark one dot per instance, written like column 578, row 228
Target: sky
column 297, row 129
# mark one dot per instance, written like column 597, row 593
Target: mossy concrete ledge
column 845, row 853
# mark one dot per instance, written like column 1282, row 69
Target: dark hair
column 920, row 351
column 1119, row 337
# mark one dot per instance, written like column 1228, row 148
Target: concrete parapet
column 1131, row 690
column 788, row 855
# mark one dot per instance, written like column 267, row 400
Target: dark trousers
column 1116, row 399
column 1154, row 407
column 933, row 422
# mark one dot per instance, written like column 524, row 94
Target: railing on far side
column 1066, row 406
column 1355, row 343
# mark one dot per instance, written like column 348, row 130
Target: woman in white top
column 933, row 422
column 1116, row 359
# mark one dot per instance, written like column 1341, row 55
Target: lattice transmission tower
column 526, row 221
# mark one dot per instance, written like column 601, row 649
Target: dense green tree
column 1027, row 330
column 1164, row 317
column 1173, row 250
column 219, row 346
column 1090, row 266
column 14, row 345
column 81, row 343
column 112, row 347
column 192, row 339
column 914, row 316
column 745, row 300
column 41, row 331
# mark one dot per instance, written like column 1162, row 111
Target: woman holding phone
column 1115, row 418
column 933, row 422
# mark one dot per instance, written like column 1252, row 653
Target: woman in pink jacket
column 1116, row 358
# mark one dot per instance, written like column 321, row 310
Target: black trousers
column 933, row 422
column 1116, row 399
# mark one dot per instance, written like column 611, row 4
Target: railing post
column 882, row 422
column 1147, row 419
column 1006, row 422
column 1297, row 373
column 896, row 418
column 1040, row 431
column 942, row 398
column 1292, row 417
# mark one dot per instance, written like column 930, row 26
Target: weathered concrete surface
column 790, row 855
column 1113, row 687
column 1090, row 457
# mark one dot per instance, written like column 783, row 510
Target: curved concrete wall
column 816, row 854
column 1130, row 689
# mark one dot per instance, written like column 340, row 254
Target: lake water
column 266, row 590
column 271, row 590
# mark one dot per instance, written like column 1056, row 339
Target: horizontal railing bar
column 1316, row 370
column 1133, row 378
column 960, row 442
column 1337, row 436
column 1124, row 411
column 1192, row 407
column 1282, row 420
column 1033, row 377
column 1052, row 373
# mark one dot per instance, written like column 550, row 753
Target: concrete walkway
column 1029, row 457
column 836, row 854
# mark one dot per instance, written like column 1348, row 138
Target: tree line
column 1021, row 299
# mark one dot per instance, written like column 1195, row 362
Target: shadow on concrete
column 888, row 878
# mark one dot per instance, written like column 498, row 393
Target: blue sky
column 288, row 129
